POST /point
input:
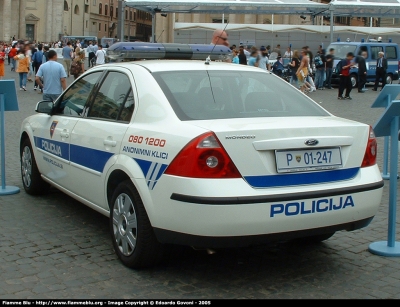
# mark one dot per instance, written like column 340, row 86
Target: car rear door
column 96, row 138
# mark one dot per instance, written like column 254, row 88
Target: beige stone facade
column 103, row 21
column 49, row 20
column 36, row 20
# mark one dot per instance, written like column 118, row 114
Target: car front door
column 52, row 136
column 96, row 138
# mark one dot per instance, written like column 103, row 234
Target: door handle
column 64, row 133
column 108, row 142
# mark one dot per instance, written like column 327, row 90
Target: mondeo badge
column 311, row 142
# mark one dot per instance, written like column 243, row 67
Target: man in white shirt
column 288, row 53
column 100, row 55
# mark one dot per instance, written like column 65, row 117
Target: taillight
column 203, row 157
column 399, row 67
column 370, row 151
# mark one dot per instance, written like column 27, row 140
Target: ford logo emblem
column 311, row 142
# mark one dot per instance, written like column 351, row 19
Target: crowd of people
column 304, row 70
column 27, row 58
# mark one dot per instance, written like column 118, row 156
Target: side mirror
column 44, row 106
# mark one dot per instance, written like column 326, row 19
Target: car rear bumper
column 225, row 213
column 275, row 198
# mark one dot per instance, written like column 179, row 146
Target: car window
column 127, row 109
column 113, row 99
column 341, row 50
column 74, row 99
column 233, row 94
column 391, row 52
column 362, row 49
column 374, row 51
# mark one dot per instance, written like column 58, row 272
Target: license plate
column 308, row 160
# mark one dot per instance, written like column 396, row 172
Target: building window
column 94, row 2
column 134, row 16
column 76, row 10
column 111, row 11
column 105, row 27
column 86, row 23
column 99, row 26
column 100, row 8
column 116, row 13
column 65, row 6
column 130, row 15
column 106, row 10
column 126, row 15
column 86, row 9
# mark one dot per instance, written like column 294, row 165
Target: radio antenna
column 208, row 60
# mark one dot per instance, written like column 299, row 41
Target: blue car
column 392, row 54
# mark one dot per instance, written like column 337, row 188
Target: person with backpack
column 319, row 70
column 45, row 57
column 344, row 67
column 78, row 64
column 37, row 61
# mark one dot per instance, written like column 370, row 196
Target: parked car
column 392, row 54
column 200, row 153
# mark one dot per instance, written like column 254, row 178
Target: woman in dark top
column 242, row 56
column 294, row 65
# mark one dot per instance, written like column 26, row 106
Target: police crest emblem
column 298, row 159
column 53, row 127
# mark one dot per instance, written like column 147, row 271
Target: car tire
column 132, row 235
column 354, row 80
column 389, row 79
column 31, row 177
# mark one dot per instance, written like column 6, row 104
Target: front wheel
column 132, row 234
column 31, row 178
column 389, row 79
column 354, row 80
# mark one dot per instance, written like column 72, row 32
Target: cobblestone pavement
column 54, row 247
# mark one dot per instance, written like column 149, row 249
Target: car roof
column 179, row 65
column 364, row 43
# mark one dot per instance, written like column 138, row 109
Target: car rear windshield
column 341, row 50
column 202, row 95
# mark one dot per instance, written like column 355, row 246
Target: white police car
column 203, row 154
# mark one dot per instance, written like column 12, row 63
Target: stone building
column 49, row 20
column 103, row 21
column 36, row 20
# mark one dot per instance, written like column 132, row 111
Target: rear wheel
column 132, row 234
column 31, row 178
